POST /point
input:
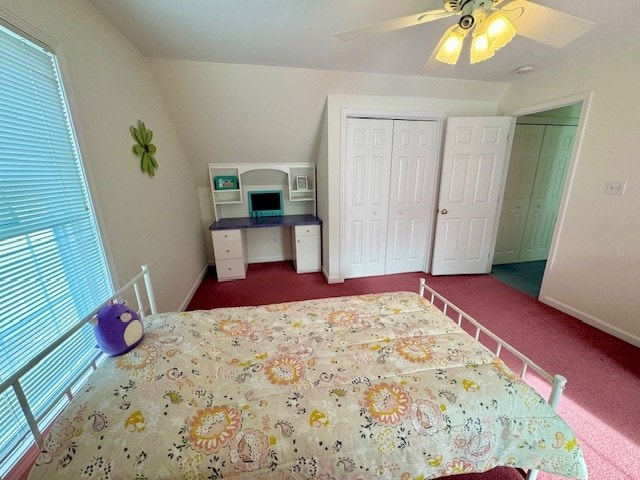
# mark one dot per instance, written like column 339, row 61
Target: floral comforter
column 366, row 387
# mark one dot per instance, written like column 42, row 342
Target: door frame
column 389, row 115
column 585, row 98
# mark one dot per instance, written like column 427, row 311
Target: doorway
column 541, row 153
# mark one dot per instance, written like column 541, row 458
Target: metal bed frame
column 557, row 382
column 15, row 381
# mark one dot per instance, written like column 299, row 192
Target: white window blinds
column 52, row 264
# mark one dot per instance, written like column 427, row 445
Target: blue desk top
column 261, row 222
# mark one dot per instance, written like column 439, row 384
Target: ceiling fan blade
column 544, row 24
column 431, row 64
column 394, row 24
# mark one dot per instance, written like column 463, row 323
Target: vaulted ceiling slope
column 301, row 33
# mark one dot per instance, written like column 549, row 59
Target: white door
column 412, row 195
column 473, row 171
column 548, row 187
column 366, row 196
column 527, row 142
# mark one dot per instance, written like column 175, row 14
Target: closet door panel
column 555, row 155
column 366, row 196
column 412, row 195
column 527, row 142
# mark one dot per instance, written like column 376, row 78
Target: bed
column 370, row 386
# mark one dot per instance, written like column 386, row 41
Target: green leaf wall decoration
column 144, row 148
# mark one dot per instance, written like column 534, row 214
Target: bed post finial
column 423, row 283
column 149, row 287
column 559, row 382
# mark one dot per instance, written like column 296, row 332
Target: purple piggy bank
column 117, row 329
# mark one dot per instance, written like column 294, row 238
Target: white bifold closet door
column 390, row 168
column 527, row 141
column 368, row 169
column 412, row 195
column 540, row 159
column 548, row 187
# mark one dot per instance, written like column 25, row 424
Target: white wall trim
column 331, row 279
column 591, row 320
column 193, row 289
column 552, row 104
column 33, row 33
column 585, row 98
column 51, row 44
column 389, row 114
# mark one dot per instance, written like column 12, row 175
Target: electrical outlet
column 615, row 187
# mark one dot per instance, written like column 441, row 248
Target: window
column 53, row 270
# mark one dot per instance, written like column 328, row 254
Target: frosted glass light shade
column 480, row 47
column 451, row 46
column 500, row 30
column 488, row 36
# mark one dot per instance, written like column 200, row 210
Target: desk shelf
column 225, row 196
column 302, row 183
column 250, row 176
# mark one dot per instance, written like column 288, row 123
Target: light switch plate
column 615, row 187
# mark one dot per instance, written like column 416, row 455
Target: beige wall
column 249, row 113
column 595, row 272
column 110, row 84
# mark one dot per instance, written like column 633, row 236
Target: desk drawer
column 227, row 250
column 304, row 230
column 226, row 236
column 230, row 269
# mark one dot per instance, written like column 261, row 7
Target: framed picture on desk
column 226, row 182
column 302, row 182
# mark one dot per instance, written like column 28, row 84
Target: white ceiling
column 300, row 33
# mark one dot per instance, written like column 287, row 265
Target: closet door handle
column 444, row 211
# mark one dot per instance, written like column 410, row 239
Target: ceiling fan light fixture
column 481, row 49
column 451, row 46
column 500, row 30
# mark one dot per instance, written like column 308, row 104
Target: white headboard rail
column 14, row 381
column 557, row 382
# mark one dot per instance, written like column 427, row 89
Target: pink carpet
column 602, row 399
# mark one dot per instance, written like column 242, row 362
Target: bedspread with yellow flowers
column 364, row 387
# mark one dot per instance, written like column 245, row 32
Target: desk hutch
column 230, row 183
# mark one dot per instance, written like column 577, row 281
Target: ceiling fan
column 492, row 24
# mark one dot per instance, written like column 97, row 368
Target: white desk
column 230, row 246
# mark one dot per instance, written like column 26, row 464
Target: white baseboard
column 591, row 320
column 331, row 279
column 194, row 288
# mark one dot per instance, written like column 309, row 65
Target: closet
column 389, row 195
column 535, row 183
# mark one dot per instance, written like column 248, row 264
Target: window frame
column 29, row 32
